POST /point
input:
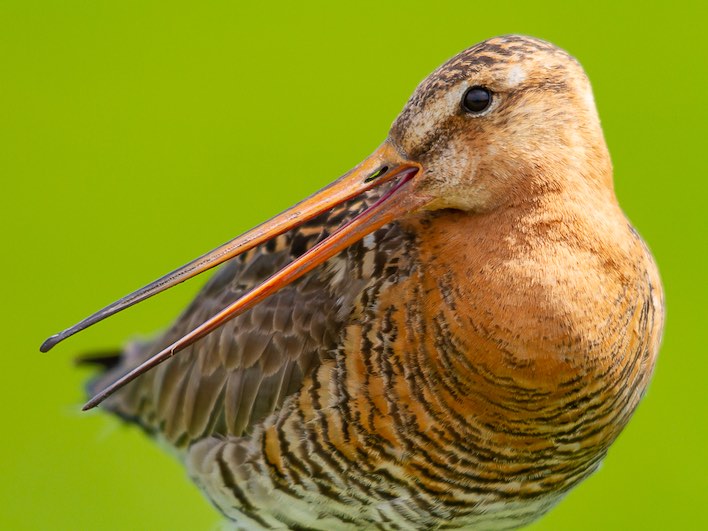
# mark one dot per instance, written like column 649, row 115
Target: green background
column 136, row 135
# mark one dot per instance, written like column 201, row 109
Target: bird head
column 503, row 121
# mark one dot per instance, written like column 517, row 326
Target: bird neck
column 529, row 280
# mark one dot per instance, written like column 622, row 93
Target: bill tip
column 50, row 342
column 89, row 405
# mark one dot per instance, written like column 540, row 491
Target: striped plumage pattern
column 428, row 377
column 242, row 372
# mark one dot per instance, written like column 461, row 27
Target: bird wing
column 242, row 371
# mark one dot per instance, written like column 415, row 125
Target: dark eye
column 476, row 100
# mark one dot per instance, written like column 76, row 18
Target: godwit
column 451, row 335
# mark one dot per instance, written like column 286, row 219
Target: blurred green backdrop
column 135, row 135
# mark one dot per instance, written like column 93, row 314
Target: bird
column 449, row 336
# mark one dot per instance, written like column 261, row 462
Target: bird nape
column 451, row 335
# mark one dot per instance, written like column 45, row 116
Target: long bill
column 381, row 166
column 384, row 165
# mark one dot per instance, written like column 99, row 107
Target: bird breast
column 532, row 350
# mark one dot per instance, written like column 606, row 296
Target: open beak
column 385, row 165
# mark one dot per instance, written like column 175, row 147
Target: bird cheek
column 429, row 182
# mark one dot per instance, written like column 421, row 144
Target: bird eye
column 476, row 100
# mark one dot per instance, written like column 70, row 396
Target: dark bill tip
column 51, row 342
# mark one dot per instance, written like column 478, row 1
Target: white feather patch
column 516, row 76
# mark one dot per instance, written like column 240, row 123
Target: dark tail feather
column 105, row 360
